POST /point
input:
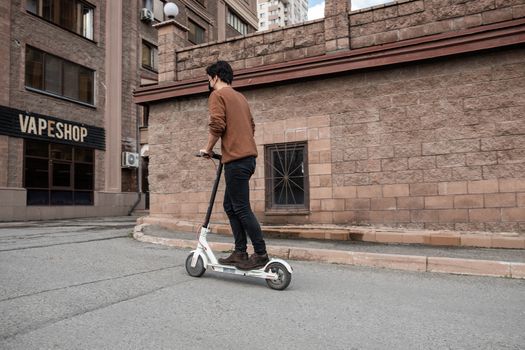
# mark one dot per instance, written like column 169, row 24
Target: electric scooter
column 277, row 272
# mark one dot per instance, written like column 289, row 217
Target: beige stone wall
column 342, row 30
column 410, row 19
column 254, row 50
column 434, row 145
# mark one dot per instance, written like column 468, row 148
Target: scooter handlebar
column 214, row 155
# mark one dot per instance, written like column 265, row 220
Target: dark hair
column 221, row 69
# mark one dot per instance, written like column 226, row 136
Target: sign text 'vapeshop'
column 51, row 128
column 17, row 123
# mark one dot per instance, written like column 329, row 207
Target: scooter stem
column 213, row 194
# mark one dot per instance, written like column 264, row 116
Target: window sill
column 195, row 42
column 150, row 69
column 42, row 92
column 59, row 26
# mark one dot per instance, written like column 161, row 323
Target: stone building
column 67, row 117
column 409, row 114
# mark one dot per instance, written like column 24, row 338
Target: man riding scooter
column 232, row 122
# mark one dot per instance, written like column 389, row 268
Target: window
column 262, row 24
column 237, row 23
column 56, row 174
column 144, row 116
column 148, row 4
column 361, row 4
column 158, row 10
column 59, row 77
column 196, row 32
column 286, row 177
column 73, row 15
column 156, row 7
column 149, row 56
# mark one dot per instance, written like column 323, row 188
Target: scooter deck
column 259, row 273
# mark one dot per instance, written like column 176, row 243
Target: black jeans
column 237, row 205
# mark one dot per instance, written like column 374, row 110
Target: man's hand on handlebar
column 205, row 153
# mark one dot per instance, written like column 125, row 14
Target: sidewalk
column 493, row 262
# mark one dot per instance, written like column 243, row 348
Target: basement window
column 286, row 177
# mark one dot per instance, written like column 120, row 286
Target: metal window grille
column 286, row 176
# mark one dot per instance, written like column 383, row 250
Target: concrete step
column 505, row 240
column 140, row 212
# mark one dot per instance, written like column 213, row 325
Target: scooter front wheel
column 284, row 277
column 199, row 268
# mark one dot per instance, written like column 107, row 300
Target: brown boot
column 255, row 261
column 235, row 257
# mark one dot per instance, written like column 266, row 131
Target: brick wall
column 436, row 145
column 53, row 39
column 131, row 66
column 4, row 159
column 15, row 162
column 408, row 19
column 5, row 36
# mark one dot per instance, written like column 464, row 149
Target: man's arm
column 217, row 123
column 212, row 140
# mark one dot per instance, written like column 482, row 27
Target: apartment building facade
column 70, row 140
column 279, row 13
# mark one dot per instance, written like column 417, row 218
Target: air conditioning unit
column 130, row 160
column 146, row 15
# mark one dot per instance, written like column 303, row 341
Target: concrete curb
column 390, row 261
column 365, row 234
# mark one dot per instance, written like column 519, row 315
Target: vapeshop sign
column 14, row 122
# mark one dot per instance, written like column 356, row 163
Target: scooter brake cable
column 214, row 165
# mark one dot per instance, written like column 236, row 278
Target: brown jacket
column 232, row 121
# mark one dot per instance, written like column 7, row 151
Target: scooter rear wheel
column 199, row 268
column 284, row 277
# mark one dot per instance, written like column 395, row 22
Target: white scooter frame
column 277, row 272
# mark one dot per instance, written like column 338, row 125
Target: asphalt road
column 85, row 284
